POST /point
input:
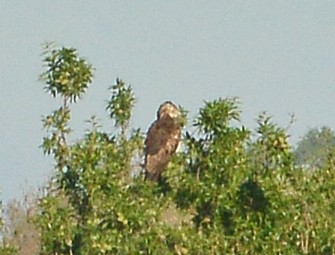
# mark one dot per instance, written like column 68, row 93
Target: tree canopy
column 315, row 148
column 230, row 190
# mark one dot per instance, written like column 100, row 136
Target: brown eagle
column 162, row 140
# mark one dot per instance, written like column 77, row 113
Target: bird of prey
column 162, row 140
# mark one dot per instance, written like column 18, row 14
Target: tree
column 231, row 190
column 20, row 231
column 92, row 189
column 315, row 147
column 5, row 247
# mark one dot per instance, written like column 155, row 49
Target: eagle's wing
column 156, row 138
column 162, row 141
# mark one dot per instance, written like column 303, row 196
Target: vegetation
column 20, row 231
column 315, row 148
column 5, row 248
column 230, row 190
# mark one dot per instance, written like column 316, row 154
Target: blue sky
column 277, row 56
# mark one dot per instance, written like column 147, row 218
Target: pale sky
column 276, row 56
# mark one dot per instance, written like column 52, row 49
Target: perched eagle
column 162, row 140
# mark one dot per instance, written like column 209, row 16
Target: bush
column 230, row 190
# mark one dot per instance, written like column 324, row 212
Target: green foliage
column 230, row 190
column 216, row 116
column 271, row 150
column 315, row 147
column 121, row 104
column 67, row 75
column 7, row 250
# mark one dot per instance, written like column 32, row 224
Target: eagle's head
column 168, row 109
